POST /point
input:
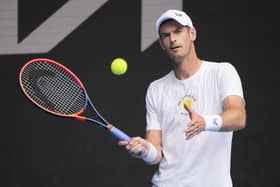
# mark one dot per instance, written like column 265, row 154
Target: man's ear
column 192, row 32
column 161, row 44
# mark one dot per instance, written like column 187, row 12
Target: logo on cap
column 178, row 14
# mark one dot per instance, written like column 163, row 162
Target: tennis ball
column 119, row 66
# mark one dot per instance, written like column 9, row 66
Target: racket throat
column 81, row 118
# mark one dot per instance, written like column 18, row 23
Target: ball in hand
column 119, row 66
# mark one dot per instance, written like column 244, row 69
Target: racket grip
column 117, row 133
column 141, row 152
column 120, row 135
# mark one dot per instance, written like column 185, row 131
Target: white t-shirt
column 204, row 160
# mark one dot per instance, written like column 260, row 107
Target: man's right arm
column 154, row 137
column 152, row 146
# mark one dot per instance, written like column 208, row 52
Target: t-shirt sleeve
column 151, row 112
column 230, row 83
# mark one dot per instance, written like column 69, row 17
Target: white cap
column 177, row 15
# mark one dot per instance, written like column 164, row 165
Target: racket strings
column 53, row 88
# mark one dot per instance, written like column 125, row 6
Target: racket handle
column 141, row 152
column 120, row 135
column 117, row 133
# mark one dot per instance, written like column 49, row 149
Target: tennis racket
column 57, row 90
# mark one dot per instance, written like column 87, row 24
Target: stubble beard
column 177, row 60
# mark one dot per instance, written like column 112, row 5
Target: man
column 191, row 113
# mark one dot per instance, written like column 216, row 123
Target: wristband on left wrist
column 213, row 122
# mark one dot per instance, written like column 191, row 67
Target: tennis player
column 192, row 113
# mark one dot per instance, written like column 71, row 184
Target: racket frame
column 117, row 133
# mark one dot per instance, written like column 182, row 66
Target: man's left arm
column 234, row 114
column 232, row 118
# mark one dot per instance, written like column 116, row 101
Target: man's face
column 176, row 39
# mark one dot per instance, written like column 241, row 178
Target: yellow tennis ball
column 119, row 66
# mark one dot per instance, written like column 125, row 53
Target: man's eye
column 178, row 30
column 164, row 36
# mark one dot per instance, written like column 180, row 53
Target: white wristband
column 212, row 122
column 151, row 157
